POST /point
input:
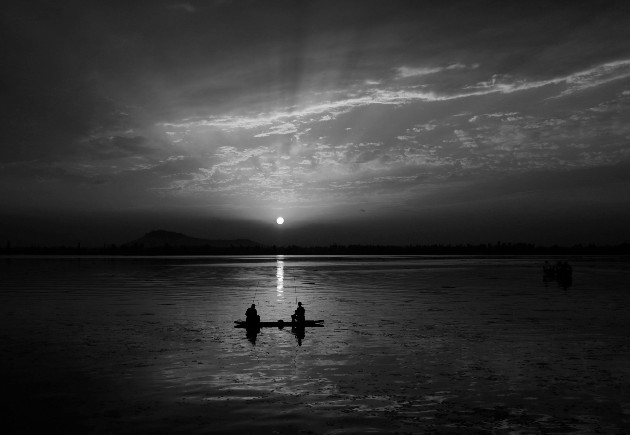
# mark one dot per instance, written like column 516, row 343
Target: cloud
column 386, row 144
column 466, row 140
column 404, row 72
column 288, row 121
column 575, row 82
column 286, row 128
column 597, row 76
column 507, row 116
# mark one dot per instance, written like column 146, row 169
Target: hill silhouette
column 163, row 238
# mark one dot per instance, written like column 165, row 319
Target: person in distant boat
column 251, row 315
column 300, row 314
column 563, row 268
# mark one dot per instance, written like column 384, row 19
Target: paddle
column 256, row 291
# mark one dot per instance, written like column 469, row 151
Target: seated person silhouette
column 251, row 315
column 300, row 314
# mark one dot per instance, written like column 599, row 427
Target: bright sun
column 280, row 220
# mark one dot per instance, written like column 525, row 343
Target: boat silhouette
column 279, row 324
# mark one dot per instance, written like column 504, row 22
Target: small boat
column 279, row 324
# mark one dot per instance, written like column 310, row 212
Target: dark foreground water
column 411, row 345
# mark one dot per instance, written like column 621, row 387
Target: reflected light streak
column 280, row 276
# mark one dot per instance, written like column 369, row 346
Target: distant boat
column 562, row 273
column 279, row 324
column 557, row 272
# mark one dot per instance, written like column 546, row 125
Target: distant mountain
column 162, row 238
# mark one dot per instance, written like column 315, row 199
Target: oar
column 255, row 291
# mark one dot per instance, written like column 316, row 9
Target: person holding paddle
column 300, row 314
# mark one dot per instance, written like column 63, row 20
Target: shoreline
column 500, row 249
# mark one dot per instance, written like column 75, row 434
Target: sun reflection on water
column 280, row 276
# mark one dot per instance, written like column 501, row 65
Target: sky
column 387, row 122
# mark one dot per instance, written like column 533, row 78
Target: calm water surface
column 411, row 344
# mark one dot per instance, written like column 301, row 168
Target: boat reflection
column 252, row 333
column 565, row 281
column 299, row 332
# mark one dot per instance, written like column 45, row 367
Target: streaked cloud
column 284, row 122
column 406, row 72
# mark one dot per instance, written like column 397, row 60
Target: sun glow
column 280, row 220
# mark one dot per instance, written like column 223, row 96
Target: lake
column 411, row 344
